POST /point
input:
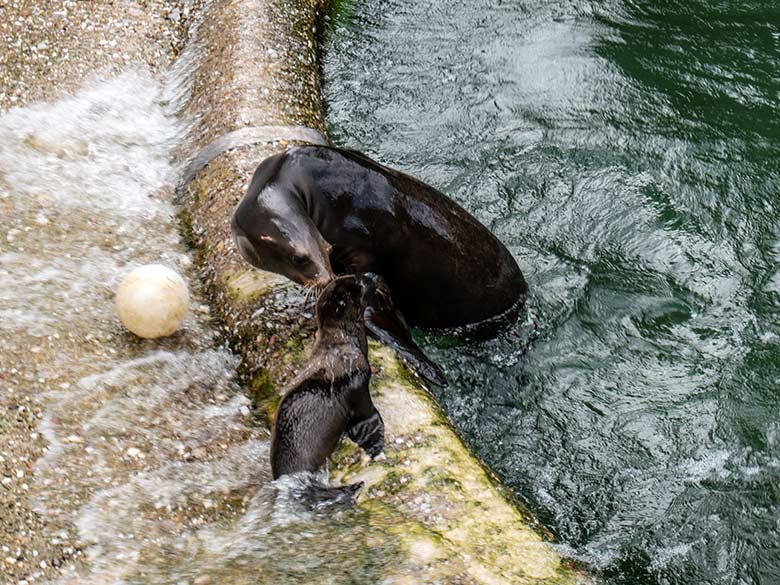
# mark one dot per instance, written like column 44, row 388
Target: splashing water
column 147, row 441
column 154, row 470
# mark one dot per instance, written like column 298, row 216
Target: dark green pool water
column 628, row 153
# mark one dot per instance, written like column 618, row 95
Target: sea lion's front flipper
column 369, row 434
column 386, row 324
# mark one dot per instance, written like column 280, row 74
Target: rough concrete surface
column 48, row 47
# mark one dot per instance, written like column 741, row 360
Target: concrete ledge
column 255, row 64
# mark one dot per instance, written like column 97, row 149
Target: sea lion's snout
column 311, row 272
column 314, row 262
column 323, row 272
column 303, row 258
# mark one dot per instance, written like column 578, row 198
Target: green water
column 628, row 153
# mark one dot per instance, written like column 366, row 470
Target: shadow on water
column 627, row 154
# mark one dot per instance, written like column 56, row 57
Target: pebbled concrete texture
column 47, row 48
column 51, row 46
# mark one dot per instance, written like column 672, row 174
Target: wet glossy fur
column 316, row 211
column 330, row 396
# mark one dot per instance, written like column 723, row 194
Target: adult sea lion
column 315, row 211
column 330, row 396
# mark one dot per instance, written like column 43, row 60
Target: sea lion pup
column 330, row 396
column 313, row 212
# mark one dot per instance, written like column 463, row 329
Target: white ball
column 152, row 301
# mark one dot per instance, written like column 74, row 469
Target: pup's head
column 343, row 302
column 274, row 233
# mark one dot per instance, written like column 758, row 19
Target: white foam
column 105, row 148
column 711, row 463
column 144, row 438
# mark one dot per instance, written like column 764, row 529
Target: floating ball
column 152, row 301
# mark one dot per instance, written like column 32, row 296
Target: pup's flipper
column 318, row 496
column 386, row 324
column 369, row 434
column 312, row 492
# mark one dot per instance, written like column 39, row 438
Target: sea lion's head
column 274, row 233
column 344, row 300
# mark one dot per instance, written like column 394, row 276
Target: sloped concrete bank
column 251, row 78
column 62, row 247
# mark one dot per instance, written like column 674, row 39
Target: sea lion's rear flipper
column 369, row 433
column 311, row 490
column 320, row 496
column 386, row 324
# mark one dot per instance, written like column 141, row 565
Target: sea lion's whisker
column 310, row 292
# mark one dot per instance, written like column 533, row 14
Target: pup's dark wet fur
column 330, row 396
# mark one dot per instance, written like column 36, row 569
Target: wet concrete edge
column 257, row 66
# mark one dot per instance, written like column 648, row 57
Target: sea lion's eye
column 299, row 259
